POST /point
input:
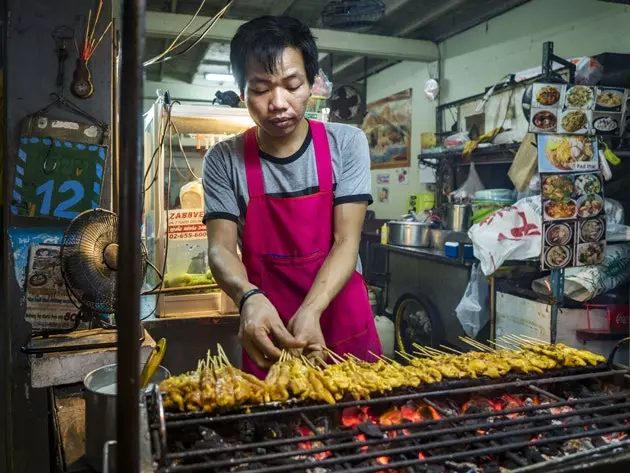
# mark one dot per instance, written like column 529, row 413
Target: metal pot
column 438, row 238
column 100, row 411
column 409, row 234
column 458, row 217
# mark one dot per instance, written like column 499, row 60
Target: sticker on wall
column 382, row 178
column 383, row 195
column 21, row 241
column 403, row 176
column 47, row 303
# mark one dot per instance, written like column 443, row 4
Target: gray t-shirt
column 225, row 184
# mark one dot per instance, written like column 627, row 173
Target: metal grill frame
column 600, row 406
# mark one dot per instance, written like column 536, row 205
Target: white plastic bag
column 473, row 311
column 471, row 185
column 512, row 233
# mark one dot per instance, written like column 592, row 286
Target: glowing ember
column 361, row 438
column 382, row 460
column 411, row 413
column 353, row 416
column 308, row 445
column 421, row 456
column 391, row 417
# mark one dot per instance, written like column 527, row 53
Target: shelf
column 491, row 154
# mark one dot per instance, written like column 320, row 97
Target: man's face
column 277, row 102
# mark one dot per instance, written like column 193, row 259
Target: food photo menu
column 578, row 109
column 574, row 222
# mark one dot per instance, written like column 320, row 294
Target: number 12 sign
column 55, row 178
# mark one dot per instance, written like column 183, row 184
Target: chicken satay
column 319, row 392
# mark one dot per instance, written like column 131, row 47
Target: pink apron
column 285, row 243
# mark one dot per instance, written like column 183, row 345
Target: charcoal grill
column 558, row 422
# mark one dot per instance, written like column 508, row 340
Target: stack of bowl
column 488, row 201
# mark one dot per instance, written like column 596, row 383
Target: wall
column 479, row 57
column 390, row 81
column 513, row 41
column 31, row 70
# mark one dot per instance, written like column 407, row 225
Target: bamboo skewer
column 452, row 349
column 475, row 344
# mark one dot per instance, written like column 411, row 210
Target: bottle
column 384, row 234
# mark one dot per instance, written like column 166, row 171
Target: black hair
column 264, row 39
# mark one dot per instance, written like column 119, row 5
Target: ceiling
column 433, row 20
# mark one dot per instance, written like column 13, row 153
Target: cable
column 210, row 23
column 181, row 148
column 173, row 45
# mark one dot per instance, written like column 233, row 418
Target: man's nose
column 278, row 101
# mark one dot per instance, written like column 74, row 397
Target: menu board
column 574, row 223
column 578, row 109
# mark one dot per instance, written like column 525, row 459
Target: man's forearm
column 229, row 272
column 332, row 276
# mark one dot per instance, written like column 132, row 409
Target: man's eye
column 294, row 88
column 259, row 92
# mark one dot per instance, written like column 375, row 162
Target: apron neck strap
column 253, row 167
column 323, row 160
column 322, row 156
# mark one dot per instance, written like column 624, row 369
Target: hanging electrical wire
column 206, row 27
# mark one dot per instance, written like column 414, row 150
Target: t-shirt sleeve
column 218, row 186
column 355, row 182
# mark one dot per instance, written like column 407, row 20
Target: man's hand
column 305, row 327
column 260, row 323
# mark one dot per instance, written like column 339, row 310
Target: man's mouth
column 281, row 122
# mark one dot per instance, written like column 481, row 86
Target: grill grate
column 498, row 440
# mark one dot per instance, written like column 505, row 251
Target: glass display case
column 173, row 232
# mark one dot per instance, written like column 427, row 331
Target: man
column 296, row 192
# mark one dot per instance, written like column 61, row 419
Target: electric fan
column 89, row 262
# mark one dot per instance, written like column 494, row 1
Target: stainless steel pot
column 100, row 411
column 438, row 238
column 458, row 217
column 409, row 234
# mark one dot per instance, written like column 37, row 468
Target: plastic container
column 384, row 234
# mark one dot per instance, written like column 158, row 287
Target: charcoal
column 533, row 455
column 371, row 430
column 464, row 467
column 576, row 445
column 492, row 467
column 598, row 441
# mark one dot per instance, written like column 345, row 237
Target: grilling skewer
column 217, row 384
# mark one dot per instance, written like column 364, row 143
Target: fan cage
column 352, row 14
column 87, row 277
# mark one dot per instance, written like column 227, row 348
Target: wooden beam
column 168, row 25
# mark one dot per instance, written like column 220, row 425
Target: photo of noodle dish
column 559, row 210
column 557, row 187
column 589, row 205
column 558, row 234
column 567, row 153
column 558, row 256
column 610, row 99
column 591, row 253
column 574, row 121
column 592, row 230
column 587, row 184
column 579, row 97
